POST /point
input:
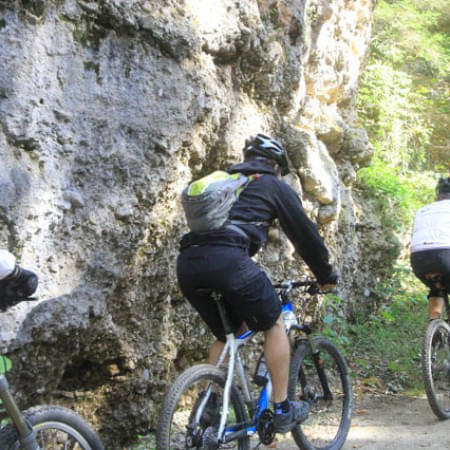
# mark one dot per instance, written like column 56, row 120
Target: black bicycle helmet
column 443, row 186
column 267, row 147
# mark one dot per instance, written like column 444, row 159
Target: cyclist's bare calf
column 435, row 300
column 277, row 354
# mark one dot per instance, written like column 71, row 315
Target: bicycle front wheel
column 328, row 391
column 191, row 412
column 436, row 367
column 56, row 428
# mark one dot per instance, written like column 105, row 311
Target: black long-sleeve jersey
column 265, row 199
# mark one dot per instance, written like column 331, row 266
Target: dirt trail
column 381, row 423
column 392, row 423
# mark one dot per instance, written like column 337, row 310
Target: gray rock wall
column 107, row 110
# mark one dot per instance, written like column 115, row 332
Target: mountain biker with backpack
column 218, row 257
column 16, row 283
column 430, row 247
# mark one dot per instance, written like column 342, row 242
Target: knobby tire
column 52, row 424
column 166, row 438
column 436, row 367
column 328, row 423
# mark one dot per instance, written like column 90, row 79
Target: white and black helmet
column 267, row 147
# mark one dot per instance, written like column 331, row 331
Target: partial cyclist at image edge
column 16, row 283
column 430, row 261
column 220, row 259
column 430, row 246
column 41, row 427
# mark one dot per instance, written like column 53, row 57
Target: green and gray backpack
column 208, row 200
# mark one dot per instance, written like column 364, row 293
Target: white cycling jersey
column 431, row 228
column 7, row 263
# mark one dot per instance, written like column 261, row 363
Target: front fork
column 320, row 368
column 27, row 436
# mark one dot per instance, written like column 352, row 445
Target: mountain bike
column 436, row 357
column 213, row 407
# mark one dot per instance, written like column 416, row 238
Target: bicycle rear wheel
column 436, row 367
column 56, row 428
column 328, row 423
column 180, row 428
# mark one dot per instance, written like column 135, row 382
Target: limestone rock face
column 107, row 110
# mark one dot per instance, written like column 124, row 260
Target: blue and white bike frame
column 231, row 349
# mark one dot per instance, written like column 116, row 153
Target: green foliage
column 392, row 112
column 399, row 194
column 334, row 324
column 404, row 92
column 404, row 105
column 387, row 344
column 5, row 364
column 383, row 347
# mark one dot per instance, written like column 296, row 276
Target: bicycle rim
column 436, row 367
column 55, row 435
column 181, row 427
column 328, row 423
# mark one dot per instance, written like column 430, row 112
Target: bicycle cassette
column 265, row 428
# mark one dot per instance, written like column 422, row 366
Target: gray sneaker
column 284, row 422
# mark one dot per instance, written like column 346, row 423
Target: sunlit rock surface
column 107, row 110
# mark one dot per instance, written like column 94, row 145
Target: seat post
column 218, row 298
column 231, row 345
column 447, row 306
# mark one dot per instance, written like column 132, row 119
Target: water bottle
column 262, row 372
column 289, row 317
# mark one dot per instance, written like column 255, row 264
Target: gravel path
column 379, row 422
column 390, row 423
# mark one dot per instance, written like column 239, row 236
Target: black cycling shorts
column 432, row 261
column 248, row 293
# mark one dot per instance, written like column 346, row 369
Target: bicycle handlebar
column 288, row 285
column 294, row 284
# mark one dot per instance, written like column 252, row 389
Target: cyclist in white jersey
column 430, row 246
column 16, row 283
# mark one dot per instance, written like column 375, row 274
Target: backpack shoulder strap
column 252, row 177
